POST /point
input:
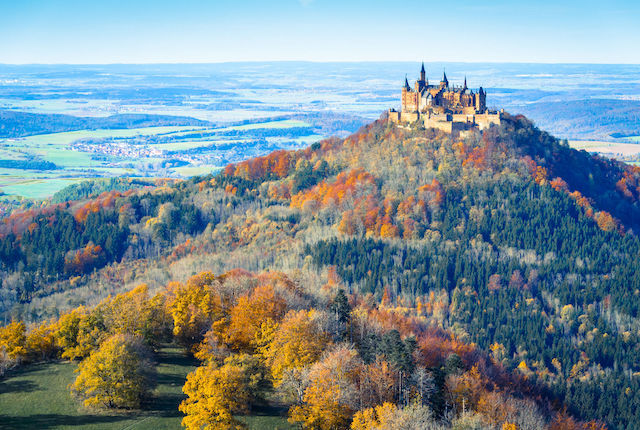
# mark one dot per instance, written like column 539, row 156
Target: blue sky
column 201, row 31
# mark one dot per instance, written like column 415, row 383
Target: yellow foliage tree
column 331, row 397
column 376, row 418
column 194, row 307
column 297, row 342
column 216, row 393
column 117, row 375
column 79, row 332
column 248, row 315
column 41, row 342
column 135, row 313
column 13, row 340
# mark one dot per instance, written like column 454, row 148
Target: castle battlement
column 445, row 107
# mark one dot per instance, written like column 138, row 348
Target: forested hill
column 506, row 239
column 20, row 124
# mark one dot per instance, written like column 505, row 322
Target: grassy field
column 38, row 188
column 75, row 165
column 38, row 397
column 606, row 147
column 285, row 123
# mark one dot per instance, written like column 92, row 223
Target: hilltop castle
column 444, row 107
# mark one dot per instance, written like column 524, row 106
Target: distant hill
column 592, row 119
column 20, row 124
column 506, row 239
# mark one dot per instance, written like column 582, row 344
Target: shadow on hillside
column 175, row 358
column 17, row 387
column 175, row 364
column 46, row 421
column 165, row 405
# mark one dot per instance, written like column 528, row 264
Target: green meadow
column 75, row 165
column 37, row 397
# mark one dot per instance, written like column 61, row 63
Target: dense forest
column 20, row 124
column 510, row 248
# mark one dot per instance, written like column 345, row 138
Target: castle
column 447, row 108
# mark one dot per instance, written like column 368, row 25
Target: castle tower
column 444, row 82
column 423, row 74
column 481, row 100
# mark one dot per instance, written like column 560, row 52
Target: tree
column 297, row 342
column 80, row 332
column 41, row 342
column 12, row 345
column 216, row 393
column 117, row 375
column 332, row 396
column 248, row 315
column 194, row 307
column 390, row 417
column 341, row 311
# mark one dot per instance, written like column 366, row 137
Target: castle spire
column 422, row 73
column 406, row 82
column 465, row 82
column 445, row 81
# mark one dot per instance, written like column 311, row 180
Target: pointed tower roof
column 422, row 70
column 406, row 82
column 465, row 82
column 444, row 78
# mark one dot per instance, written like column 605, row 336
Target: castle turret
column 465, row 83
column 444, row 82
column 423, row 74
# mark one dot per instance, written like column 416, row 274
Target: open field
column 285, row 123
column 38, row 188
column 143, row 151
column 37, row 397
column 601, row 147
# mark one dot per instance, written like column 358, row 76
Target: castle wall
column 445, row 126
column 409, row 116
column 486, row 120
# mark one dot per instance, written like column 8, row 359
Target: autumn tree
column 389, row 416
column 215, row 392
column 80, row 332
column 194, row 306
column 297, row 342
column 117, row 375
column 12, row 345
column 332, row 396
column 251, row 311
column 41, row 342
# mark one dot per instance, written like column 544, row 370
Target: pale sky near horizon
column 201, row 31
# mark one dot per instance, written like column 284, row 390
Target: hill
column 509, row 247
column 19, row 124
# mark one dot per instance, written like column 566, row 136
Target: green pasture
column 76, row 165
column 38, row 188
column 196, row 170
column 285, row 123
column 37, row 397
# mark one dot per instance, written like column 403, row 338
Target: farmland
column 166, row 151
